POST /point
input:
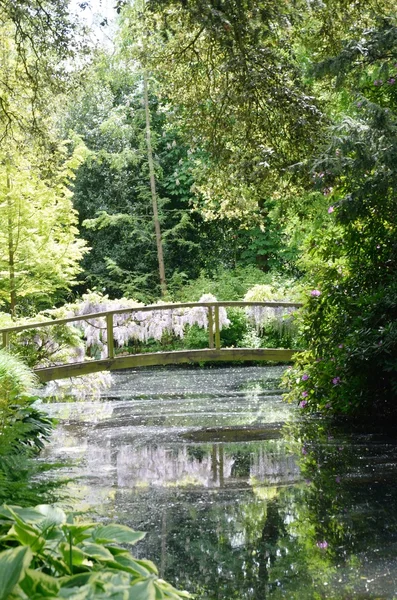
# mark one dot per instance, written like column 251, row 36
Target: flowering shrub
column 274, row 324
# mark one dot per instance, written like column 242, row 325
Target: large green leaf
column 27, row 536
column 39, row 584
column 96, row 551
column 30, row 515
column 143, row 590
column 79, row 532
column 114, row 533
column 136, row 566
column 72, row 555
column 53, row 515
column 13, row 564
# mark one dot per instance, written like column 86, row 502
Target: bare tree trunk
column 11, row 258
column 159, row 243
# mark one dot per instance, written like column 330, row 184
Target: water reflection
column 234, row 506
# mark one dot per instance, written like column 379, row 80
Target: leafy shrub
column 47, row 554
column 23, row 430
column 235, row 332
column 225, row 284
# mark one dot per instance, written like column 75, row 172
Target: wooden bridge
column 114, row 361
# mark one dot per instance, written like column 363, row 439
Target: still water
column 236, row 504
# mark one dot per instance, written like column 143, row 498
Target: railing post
column 109, row 335
column 6, row 340
column 217, row 330
column 210, row 327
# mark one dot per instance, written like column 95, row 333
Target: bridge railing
column 214, row 329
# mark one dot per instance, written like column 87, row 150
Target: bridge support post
column 109, row 335
column 217, row 330
column 210, row 327
column 6, row 340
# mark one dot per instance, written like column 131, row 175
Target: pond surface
column 235, row 505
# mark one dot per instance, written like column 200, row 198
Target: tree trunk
column 159, row 243
column 11, row 258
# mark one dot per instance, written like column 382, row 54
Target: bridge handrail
column 213, row 319
column 146, row 308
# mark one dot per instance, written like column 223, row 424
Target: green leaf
column 141, row 567
column 115, row 533
column 79, row 532
column 97, row 551
column 143, row 590
column 53, row 515
column 78, row 580
column 27, row 536
column 74, row 554
column 29, row 515
column 36, row 582
column 13, row 564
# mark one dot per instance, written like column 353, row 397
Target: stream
column 239, row 497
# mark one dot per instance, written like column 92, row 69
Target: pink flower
column 323, row 545
column 336, row 380
column 330, row 210
column 392, row 80
column 304, row 394
column 305, row 377
column 315, row 293
column 302, row 404
column 340, row 346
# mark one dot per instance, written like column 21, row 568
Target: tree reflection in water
column 233, row 508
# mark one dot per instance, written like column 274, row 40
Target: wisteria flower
column 315, row 293
column 305, row 394
column 302, row 404
column 330, row 210
column 336, row 380
column 305, row 377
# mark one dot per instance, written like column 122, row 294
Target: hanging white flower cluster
column 139, row 325
column 279, row 317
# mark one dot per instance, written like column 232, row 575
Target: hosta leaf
column 137, row 566
column 143, row 590
column 36, row 582
column 53, row 515
column 29, row 515
column 96, row 551
column 114, row 533
column 72, row 554
column 27, row 536
column 79, row 532
column 13, row 564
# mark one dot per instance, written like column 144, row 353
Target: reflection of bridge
column 214, row 353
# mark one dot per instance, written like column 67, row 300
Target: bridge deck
column 151, row 359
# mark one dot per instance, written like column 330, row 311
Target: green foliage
column 236, row 89
column 47, row 554
column 23, row 431
column 225, row 284
column 39, row 247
